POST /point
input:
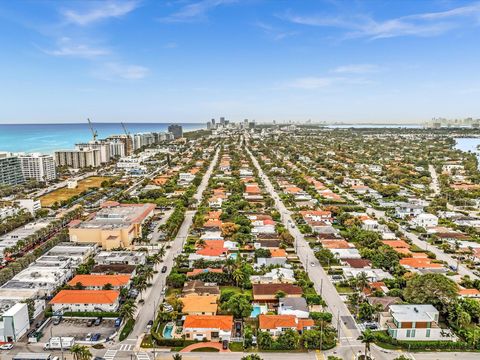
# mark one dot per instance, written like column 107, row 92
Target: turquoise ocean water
column 46, row 138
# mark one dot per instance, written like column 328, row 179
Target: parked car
column 88, row 337
column 98, row 321
column 118, row 322
column 225, row 344
column 96, row 337
column 57, row 320
column 90, row 322
column 164, row 269
column 164, row 290
column 6, row 346
column 167, row 308
column 149, row 324
column 371, row 325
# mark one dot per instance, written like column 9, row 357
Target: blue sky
column 191, row 60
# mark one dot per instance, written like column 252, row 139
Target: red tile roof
column 223, row 322
column 86, row 297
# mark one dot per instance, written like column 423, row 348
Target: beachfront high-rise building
column 10, row 169
column 101, row 145
column 176, row 130
column 78, row 158
column 37, row 166
column 127, row 142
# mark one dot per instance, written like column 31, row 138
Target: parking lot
column 78, row 328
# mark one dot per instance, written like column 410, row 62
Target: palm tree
column 80, row 352
column 362, row 281
column 238, row 276
column 366, row 338
column 229, row 265
column 148, row 273
column 127, row 311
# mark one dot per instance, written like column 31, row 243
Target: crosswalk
column 126, row 347
column 110, row 354
column 142, row 356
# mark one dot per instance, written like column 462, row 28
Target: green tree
column 239, row 305
column 264, row 340
column 435, row 289
column 367, row 337
column 288, row 339
column 251, row 357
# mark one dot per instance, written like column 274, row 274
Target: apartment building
column 78, row 158
column 10, row 169
column 38, row 167
column 86, row 300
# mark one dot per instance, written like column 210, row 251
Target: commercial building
column 78, row 158
column 113, row 226
column 120, row 258
column 14, row 321
column 86, row 301
column 38, row 166
column 176, row 130
column 10, row 169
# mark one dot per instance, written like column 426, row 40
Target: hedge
column 383, row 337
column 174, row 342
column 127, row 329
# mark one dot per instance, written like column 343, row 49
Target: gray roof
column 298, row 303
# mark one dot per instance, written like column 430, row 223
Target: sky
column 378, row 61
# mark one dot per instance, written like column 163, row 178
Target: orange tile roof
column 336, row 244
column 213, row 223
column 85, row 297
column 276, row 321
column 420, row 263
column 223, row 322
column 196, row 272
column 100, row 280
column 303, row 323
column 278, row 252
column 199, row 303
column 467, row 292
column 396, row 243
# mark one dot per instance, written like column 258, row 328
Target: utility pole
column 321, row 288
column 338, row 325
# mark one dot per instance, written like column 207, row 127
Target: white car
column 6, row 347
column 312, row 264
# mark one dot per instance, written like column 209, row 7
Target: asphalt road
column 153, row 296
column 342, row 317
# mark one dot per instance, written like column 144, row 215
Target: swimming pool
column 167, row 331
column 257, row 310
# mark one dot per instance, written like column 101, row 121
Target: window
column 413, row 333
column 427, row 333
column 408, row 333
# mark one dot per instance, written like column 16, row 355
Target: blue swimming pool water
column 167, row 331
column 256, row 311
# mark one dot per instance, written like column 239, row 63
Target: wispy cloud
column 312, row 82
column 66, row 47
column 422, row 25
column 115, row 70
column 98, row 11
column 274, row 32
column 357, row 69
column 195, row 11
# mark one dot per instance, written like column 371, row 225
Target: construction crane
column 94, row 132
column 125, row 129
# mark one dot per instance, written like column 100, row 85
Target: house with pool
column 210, row 327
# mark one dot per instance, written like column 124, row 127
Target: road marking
column 126, row 347
column 142, row 356
column 110, row 354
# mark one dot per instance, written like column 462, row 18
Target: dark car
column 149, row 325
column 371, row 325
column 225, row 344
column 118, row 322
column 164, row 269
column 98, row 321
column 90, row 322
column 96, row 337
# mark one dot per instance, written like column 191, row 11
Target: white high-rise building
column 78, row 158
column 38, row 166
column 102, row 146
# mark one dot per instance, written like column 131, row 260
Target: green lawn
column 236, row 289
column 235, row 346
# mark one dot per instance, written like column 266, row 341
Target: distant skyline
column 187, row 61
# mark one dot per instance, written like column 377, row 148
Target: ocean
column 46, row 138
